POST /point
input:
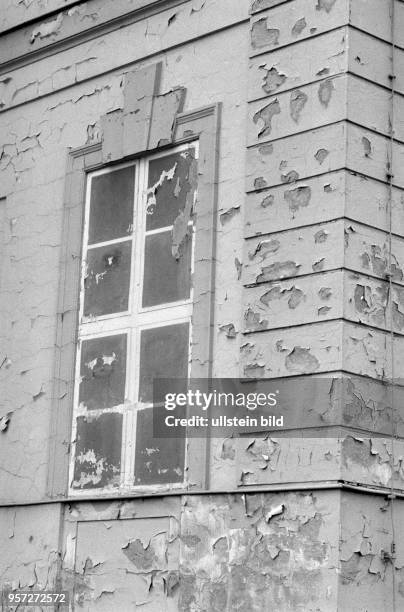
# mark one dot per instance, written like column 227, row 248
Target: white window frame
column 131, row 322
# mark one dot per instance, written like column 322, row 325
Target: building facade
column 204, row 188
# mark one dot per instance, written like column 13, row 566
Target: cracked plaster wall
column 33, row 161
column 208, row 553
column 30, row 548
column 317, row 296
column 319, row 276
column 367, row 561
column 16, row 12
column 306, row 123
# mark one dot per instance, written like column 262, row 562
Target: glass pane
column 108, row 277
column 172, row 179
column 98, row 451
column 103, row 372
column 111, row 205
column 166, row 279
column 163, row 354
column 157, row 460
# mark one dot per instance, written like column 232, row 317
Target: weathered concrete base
column 310, row 550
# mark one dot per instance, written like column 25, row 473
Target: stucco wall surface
column 309, row 283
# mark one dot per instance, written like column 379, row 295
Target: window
column 135, row 318
column 107, row 442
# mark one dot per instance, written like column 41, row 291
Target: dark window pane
column 103, row 372
column 111, row 205
column 107, row 281
column 157, row 460
column 171, row 184
column 166, row 279
column 98, row 451
column 163, row 354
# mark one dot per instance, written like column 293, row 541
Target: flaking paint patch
column 371, row 303
column 320, row 236
column 265, row 115
column 321, row 155
column 323, row 311
column 253, row 321
column 301, row 361
column 267, row 201
column 318, row 265
column 239, row 267
column 228, row 449
column 376, row 259
column 299, row 26
column 325, row 293
column 262, row 36
column 372, row 456
column 142, row 557
column 226, row 216
column 298, row 198
column 94, row 133
column 260, row 5
column 277, row 270
column 325, row 92
column 266, row 149
column 197, row 6
column 260, row 183
column 367, row 146
column 181, row 227
column 290, row 177
column 165, row 109
column 273, row 80
column 47, row 29
column 298, row 100
column 325, row 5
column 264, row 248
column 5, row 422
column 294, row 294
column 254, row 370
column 229, row 330
column 245, row 546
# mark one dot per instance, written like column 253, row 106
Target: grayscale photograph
column 202, row 305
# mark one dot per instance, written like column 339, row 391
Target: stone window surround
column 161, row 117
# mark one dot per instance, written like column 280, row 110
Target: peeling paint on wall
column 298, row 100
column 48, row 28
column 273, row 80
column 262, row 35
column 265, row 115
